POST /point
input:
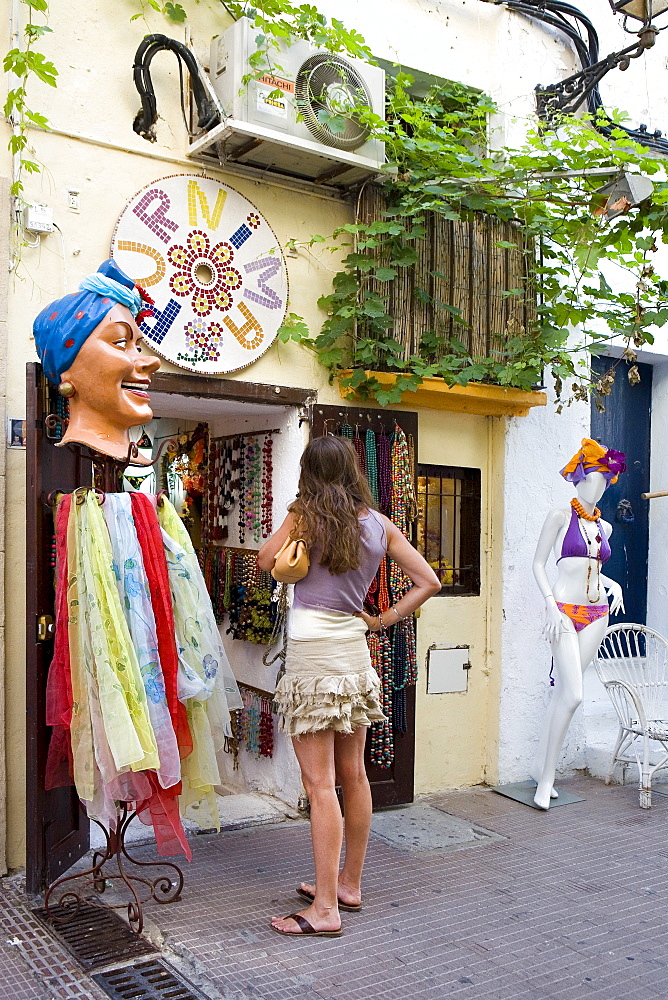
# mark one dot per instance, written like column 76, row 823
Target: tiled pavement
column 568, row 905
column 32, row 965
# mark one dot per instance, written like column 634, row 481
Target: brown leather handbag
column 291, row 562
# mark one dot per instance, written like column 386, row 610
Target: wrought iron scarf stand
column 65, row 897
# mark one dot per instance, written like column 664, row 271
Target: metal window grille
column 448, row 534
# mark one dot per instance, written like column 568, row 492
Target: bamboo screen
column 460, row 265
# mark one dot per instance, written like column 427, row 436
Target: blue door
column 625, row 425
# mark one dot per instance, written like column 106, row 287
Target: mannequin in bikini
column 576, row 605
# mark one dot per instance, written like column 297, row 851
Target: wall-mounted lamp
column 641, row 10
column 620, row 195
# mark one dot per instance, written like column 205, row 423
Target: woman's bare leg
column 315, row 753
column 351, row 775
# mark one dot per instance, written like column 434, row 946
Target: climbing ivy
column 22, row 62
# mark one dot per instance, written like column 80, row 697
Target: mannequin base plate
column 524, row 791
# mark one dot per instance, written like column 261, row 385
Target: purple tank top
column 575, row 545
column 345, row 592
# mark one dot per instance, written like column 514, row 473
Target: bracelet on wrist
column 381, row 624
column 399, row 617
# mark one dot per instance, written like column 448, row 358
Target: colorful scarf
column 135, row 599
column 155, row 565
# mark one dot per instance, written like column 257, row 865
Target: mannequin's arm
column 612, row 587
column 616, row 595
column 554, row 522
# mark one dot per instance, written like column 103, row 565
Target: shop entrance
column 57, row 830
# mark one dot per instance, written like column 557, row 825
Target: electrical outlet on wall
column 73, row 199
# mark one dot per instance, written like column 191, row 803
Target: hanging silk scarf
column 107, row 641
column 135, row 598
column 202, row 662
column 59, row 765
column 155, row 566
column 81, row 731
column 201, row 652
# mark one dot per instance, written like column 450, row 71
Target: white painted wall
column 537, row 447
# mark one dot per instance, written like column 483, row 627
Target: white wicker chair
column 632, row 663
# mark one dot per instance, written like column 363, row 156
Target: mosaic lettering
column 195, row 193
column 240, row 235
column 155, row 255
column 270, row 266
column 250, row 334
column 162, row 321
column 156, row 220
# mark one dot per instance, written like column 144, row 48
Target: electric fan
column 327, row 83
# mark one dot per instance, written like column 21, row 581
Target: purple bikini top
column 575, row 545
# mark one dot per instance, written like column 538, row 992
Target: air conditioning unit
column 281, row 123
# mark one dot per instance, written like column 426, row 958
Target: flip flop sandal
column 306, row 929
column 348, row 907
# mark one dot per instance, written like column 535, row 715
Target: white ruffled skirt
column 328, row 684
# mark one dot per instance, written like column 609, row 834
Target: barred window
column 448, row 534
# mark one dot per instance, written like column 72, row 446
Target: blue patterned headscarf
column 62, row 327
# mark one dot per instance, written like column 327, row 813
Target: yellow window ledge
column 484, row 400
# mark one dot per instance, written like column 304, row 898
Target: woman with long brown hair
column 329, row 693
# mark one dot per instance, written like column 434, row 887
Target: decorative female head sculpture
column 90, row 347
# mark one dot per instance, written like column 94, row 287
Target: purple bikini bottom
column 583, row 614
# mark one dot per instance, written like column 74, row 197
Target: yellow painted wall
column 457, row 733
column 93, row 45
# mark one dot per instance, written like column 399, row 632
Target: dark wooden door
column 394, row 785
column 56, row 826
column 625, row 426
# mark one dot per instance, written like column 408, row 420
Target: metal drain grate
column 96, row 936
column 147, row 981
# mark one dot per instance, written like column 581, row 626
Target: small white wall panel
column 447, row 669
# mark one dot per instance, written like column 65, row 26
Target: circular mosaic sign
column 213, row 266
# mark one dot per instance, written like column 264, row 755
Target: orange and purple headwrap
column 593, row 457
column 63, row 326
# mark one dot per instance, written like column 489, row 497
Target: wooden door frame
column 394, row 785
column 206, row 387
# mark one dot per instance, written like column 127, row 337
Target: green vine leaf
column 175, row 12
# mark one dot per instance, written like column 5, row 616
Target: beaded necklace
column 383, row 453
column 598, row 539
column 582, row 513
column 256, row 724
column 267, row 486
column 371, row 464
column 382, row 742
column 358, row 445
column 583, row 517
column 241, row 519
